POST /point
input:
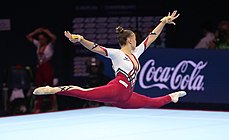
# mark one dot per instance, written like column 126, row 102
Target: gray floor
column 109, row 123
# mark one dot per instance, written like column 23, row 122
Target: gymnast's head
column 126, row 38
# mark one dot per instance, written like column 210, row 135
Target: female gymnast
column 120, row 91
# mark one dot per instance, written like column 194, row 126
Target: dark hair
column 123, row 35
column 45, row 35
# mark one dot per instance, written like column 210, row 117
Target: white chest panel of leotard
column 125, row 64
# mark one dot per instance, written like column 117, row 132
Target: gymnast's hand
column 169, row 19
column 73, row 37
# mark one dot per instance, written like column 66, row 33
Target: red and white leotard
column 119, row 91
column 124, row 64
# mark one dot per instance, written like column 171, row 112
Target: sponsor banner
column 5, row 25
column 203, row 74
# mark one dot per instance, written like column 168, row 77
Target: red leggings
column 119, row 95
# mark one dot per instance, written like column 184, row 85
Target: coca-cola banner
column 203, row 74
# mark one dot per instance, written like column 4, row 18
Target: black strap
column 64, row 88
column 152, row 33
column 95, row 45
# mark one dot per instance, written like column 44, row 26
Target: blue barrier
column 203, row 74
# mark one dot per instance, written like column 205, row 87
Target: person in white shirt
column 44, row 40
column 207, row 39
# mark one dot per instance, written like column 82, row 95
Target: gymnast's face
column 132, row 41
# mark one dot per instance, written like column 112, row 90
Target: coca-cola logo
column 185, row 75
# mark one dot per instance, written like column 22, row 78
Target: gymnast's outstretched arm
column 169, row 19
column 92, row 46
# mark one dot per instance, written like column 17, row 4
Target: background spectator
column 44, row 40
column 208, row 36
column 222, row 35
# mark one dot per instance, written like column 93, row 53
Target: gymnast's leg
column 107, row 93
column 140, row 101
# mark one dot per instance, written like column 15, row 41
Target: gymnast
column 119, row 92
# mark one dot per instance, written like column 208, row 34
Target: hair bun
column 119, row 29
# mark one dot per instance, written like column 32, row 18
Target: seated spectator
column 207, row 39
column 222, row 35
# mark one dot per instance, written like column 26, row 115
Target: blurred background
column 204, row 73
